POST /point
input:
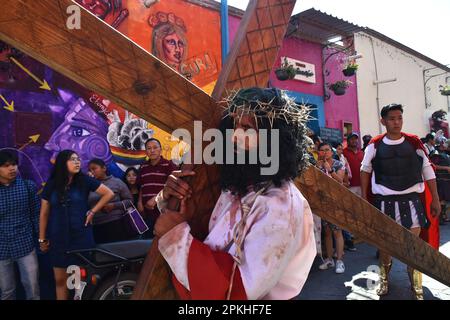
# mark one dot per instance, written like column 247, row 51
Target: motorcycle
column 110, row 271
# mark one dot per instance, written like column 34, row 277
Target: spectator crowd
column 75, row 210
column 78, row 210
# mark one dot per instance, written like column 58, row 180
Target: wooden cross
column 139, row 82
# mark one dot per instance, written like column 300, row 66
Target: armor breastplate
column 397, row 167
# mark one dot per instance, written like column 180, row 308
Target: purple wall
column 340, row 108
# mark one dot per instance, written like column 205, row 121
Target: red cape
column 209, row 274
column 430, row 234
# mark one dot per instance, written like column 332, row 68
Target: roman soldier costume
column 399, row 170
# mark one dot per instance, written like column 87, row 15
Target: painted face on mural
column 169, row 41
column 173, row 46
column 83, row 131
column 100, row 8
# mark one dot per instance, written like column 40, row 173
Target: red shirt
column 354, row 161
column 152, row 179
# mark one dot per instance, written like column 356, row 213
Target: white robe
column 279, row 246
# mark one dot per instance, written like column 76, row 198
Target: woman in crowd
column 131, row 180
column 109, row 223
column 65, row 217
column 343, row 160
column 335, row 169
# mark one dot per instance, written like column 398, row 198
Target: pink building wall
column 340, row 108
column 297, row 49
column 337, row 109
column 305, row 51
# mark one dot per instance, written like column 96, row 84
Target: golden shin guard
column 384, row 273
column 415, row 277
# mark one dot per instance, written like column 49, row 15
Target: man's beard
column 238, row 177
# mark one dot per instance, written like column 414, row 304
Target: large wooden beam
column 336, row 204
column 38, row 29
column 103, row 60
column 255, row 46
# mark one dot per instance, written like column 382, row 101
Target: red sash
column 209, row 274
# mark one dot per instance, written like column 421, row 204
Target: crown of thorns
column 280, row 107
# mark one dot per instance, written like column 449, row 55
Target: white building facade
column 390, row 72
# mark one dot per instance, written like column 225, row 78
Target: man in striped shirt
column 152, row 177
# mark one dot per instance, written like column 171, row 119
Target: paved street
column 355, row 283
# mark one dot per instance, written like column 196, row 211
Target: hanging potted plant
column 350, row 69
column 445, row 90
column 339, row 87
column 286, row 71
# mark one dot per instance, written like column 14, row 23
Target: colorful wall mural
column 42, row 112
column 38, row 123
column 184, row 35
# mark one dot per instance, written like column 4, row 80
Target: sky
column 423, row 25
